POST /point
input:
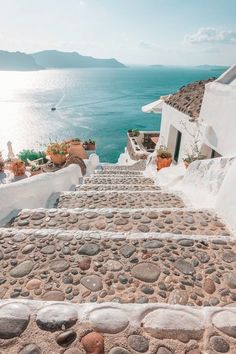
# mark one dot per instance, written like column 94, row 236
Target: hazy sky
column 181, row 32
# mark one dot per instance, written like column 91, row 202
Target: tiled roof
column 189, row 98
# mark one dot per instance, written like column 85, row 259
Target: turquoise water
column 91, row 103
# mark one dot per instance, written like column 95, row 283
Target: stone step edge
column 90, row 185
column 169, row 321
column 116, row 236
column 158, row 191
column 113, row 174
column 120, row 210
column 115, row 177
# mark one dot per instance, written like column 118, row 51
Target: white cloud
column 211, row 35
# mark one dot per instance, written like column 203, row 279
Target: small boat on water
column 53, row 109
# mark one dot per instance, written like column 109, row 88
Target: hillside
column 57, row 59
column 17, row 61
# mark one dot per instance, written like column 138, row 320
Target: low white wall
column 35, row 192
column 226, row 199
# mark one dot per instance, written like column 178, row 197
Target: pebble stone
column 163, row 350
column 22, row 269
column 147, row 272
column 64, row 339
column 14, row 319
column 119, row 350
column 109, row 320
column 92, row 282
column 93, row 343
column 138, row 343
column 55, row 317
column 30, row 349
column 219, row 344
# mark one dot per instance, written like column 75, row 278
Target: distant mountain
column 17, row 61
column 156, row 66
column 212, row 67
column 57, row 59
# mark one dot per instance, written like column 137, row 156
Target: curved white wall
column 35, row 192
column 226, row 199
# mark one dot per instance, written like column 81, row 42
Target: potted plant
column 75, row 148
column 164, row 157
column 31, row 155
column 57, row 152
column 17, row 167
column 91, row 145
column 193, row 157
column 35, row 170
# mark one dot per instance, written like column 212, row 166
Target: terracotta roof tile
column 189, row 98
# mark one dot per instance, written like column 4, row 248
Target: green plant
column 194, row 157
column 91, row 142
column 163, row 152
column 55, row 148
column 31, row 155
column 75, row 140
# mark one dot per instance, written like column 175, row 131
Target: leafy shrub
column 31, row 155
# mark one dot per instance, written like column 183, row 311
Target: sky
column 140, row 32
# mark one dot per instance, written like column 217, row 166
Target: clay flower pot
column 91, row 146
column 58, row 159
column 76, row 149
column 18, row 168
column 163, row 162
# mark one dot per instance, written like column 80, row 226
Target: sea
column 101, row 104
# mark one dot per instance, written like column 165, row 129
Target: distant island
column 156, row 66
column 57, row 59
column 17, row 61
column 212, row 67
column 48, row 59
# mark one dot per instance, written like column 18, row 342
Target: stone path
column 118, row 180
column 52, row 266
column 119, row 200
column 131, row 268
column 117, row 329
column 118, row 173
column 172, row 221
column 116, row 187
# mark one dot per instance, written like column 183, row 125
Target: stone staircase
column 120, row 267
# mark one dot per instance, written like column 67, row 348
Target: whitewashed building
column 203, row 112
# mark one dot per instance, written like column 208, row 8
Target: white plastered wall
column 171, row 117
column 218, row 113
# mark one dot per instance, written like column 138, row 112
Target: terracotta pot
column 163, row 162
column 18, row 169
column 76, row 149
column 91, row 147
column 58, row 159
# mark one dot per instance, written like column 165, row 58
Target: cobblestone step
column 118, row 200
column 176, row 220
column 42, row 327
column 118, row 180
column 116, row 187
column 54, row 265
column 138, row 166
column 118, row 173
